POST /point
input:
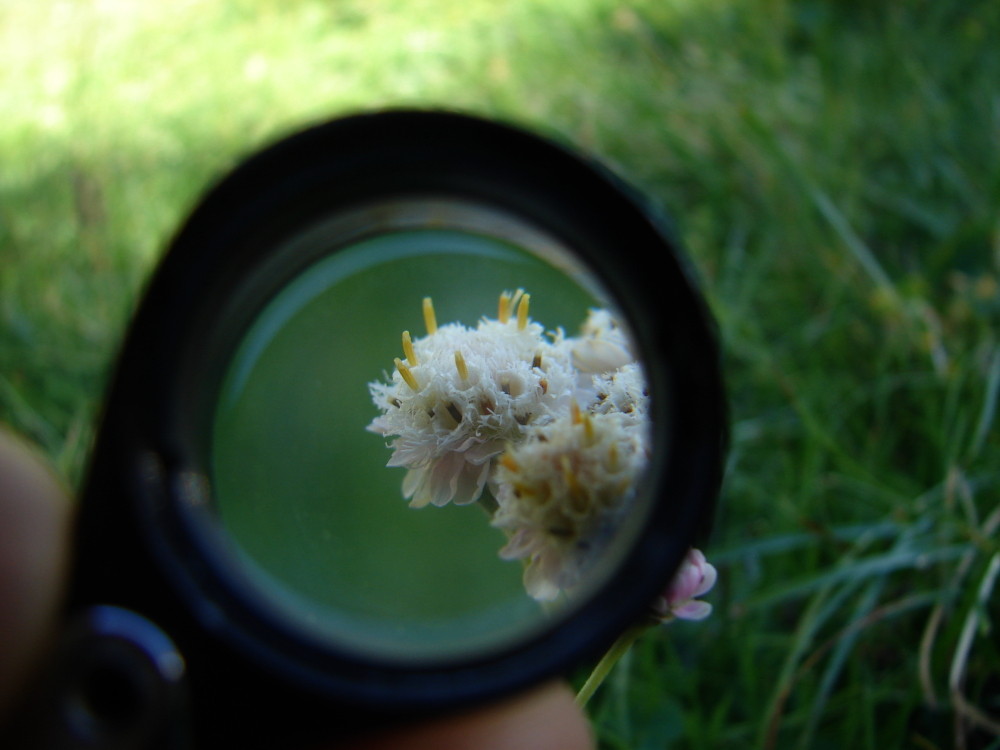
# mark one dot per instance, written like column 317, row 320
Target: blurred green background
column 833, row 169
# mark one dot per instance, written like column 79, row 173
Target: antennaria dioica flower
column 549, row 433
column 463, row 394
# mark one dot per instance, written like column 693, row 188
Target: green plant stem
column 618, row 649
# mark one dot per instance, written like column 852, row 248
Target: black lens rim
column 346, row 162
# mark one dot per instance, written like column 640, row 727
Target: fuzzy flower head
column 562, row 492
column 463, row 394
column 694, row 578
column 555, row 428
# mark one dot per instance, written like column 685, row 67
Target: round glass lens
column 430, row 441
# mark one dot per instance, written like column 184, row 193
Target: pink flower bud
column 695, row 577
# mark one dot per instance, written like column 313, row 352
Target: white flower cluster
column 555, row 428
column 561, row 494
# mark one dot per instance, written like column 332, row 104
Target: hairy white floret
column 475, row 391
column 561, row 494
column 623, row 391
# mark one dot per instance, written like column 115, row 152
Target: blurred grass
column 834, row 169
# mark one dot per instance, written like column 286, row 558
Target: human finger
column 34, row 526
column 544, row 719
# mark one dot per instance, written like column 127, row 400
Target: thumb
column 544, row 719
column 34, row 528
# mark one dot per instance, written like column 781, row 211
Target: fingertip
column 34, row 525
column 544, row 719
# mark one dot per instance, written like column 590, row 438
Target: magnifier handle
column 116, row 682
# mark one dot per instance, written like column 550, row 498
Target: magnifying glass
column 418, row 410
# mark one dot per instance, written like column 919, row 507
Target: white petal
column 484, row 451
column 378, row 426
column 693, row 610
column 444, row 477
column 413, row 486
column 595, row 355
column 470, row 482
column 709, row 576
column 537, row 584
column 518, row 546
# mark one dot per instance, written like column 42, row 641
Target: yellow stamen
column 574, row 412
column 522, row 490
column 588, row 429
column 567, row 469
column 515, row 298
column 509, row 463
column 522, row 312
column 577, row 495
column 429, row 320
column 463, row 369
column 406, row 374
column 613, row 457
column 411, row 356
column 503, row 310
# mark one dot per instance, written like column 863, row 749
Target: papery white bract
column 602, row 345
